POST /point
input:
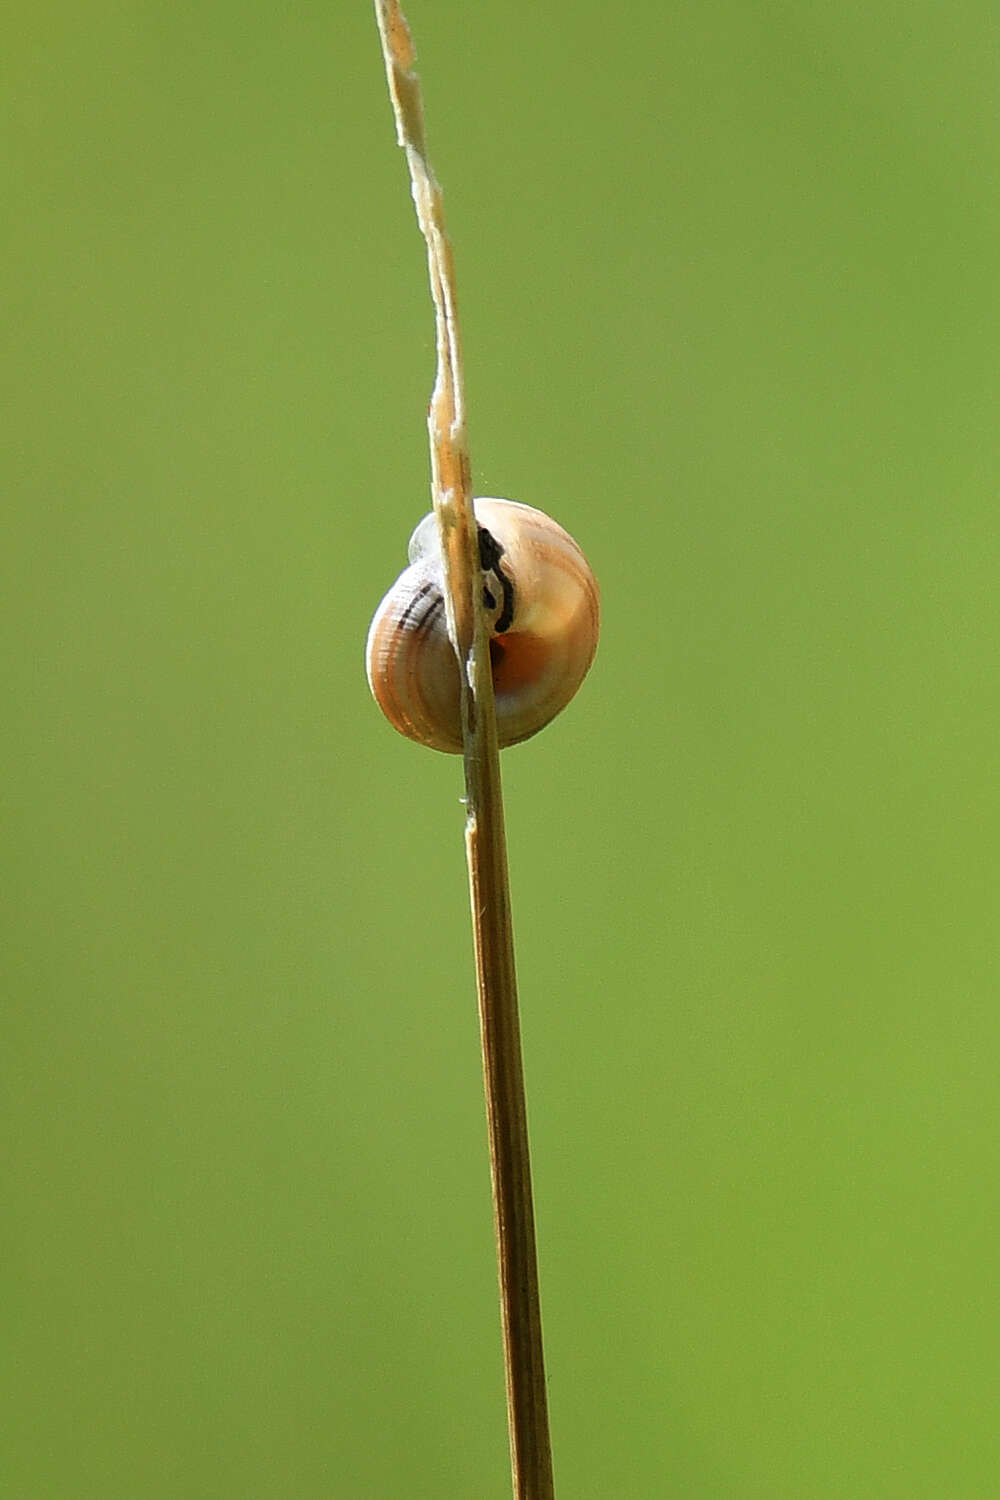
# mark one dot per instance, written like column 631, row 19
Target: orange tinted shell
column 544, row 610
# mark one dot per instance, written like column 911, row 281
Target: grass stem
column 485, row 838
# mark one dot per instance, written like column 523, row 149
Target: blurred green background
column 729, row 288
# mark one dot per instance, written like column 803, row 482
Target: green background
column 728, row 278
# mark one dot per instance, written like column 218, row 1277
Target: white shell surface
column 545, row 603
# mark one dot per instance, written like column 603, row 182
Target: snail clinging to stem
column 543, row 613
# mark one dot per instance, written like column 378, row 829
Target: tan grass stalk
column 485, row 839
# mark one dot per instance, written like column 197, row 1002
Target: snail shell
column 543, row 613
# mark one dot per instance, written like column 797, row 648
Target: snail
column 543, row 614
